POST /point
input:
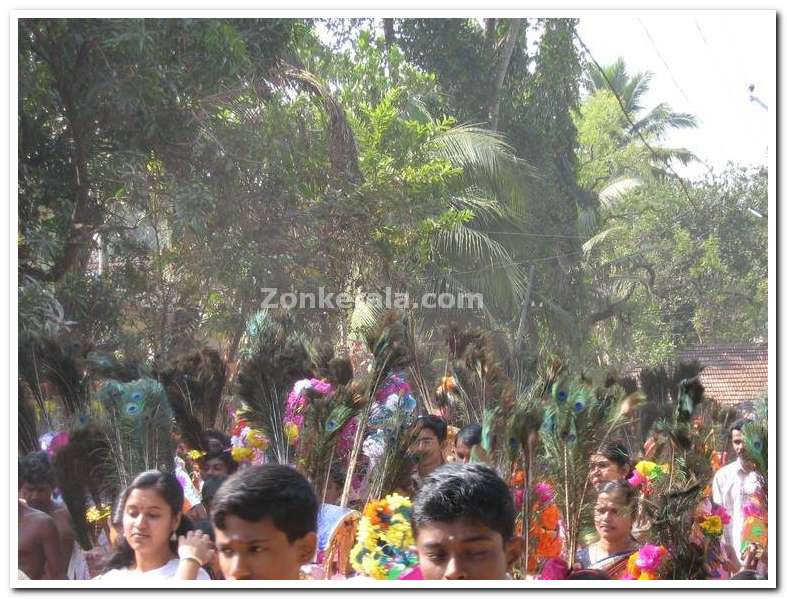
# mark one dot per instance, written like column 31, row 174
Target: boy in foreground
column 463, row 520
column 265, row 520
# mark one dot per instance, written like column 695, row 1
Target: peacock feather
column 138, row 422
column 194, row 384
column 274, row 357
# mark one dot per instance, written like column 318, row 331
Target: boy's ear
column 306, row 548
column 514, row 548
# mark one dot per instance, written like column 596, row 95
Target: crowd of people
column 260, row 522
column 351, row 468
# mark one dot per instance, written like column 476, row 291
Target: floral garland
column 545, row 540
column 383, row 548
column 645, row 563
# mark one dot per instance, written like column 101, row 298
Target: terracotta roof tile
column 733, row 373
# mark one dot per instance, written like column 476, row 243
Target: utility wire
column 669, row 70
column 628, row 118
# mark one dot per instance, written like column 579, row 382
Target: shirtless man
column 36, row 481
column 39, row 545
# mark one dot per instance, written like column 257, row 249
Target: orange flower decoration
column 550, row 517
column 518, row 478
column 549, row 545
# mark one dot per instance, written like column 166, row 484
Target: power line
column 669, row 70
column 664, row 161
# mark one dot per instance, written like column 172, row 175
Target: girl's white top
column 165, row 572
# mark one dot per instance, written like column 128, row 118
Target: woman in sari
column 613, row 516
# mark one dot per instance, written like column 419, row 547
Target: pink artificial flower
column 59, row 440
column 544, row 492
column 719, row 511
column 636, row 479
column 321, row 387
column 650, row 557
column 750, row 510
column 412, row 574
column 554, row 569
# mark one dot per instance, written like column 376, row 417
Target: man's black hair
column 209, row 489
column 272, row 491
column 588, row 574
column 224, row 456
column 218, row 435
column 739, row 424
column 435, row 424
column 36, row 469
column 472, row 492
column 469, row 435
column 615, row 452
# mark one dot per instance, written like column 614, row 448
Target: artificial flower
column 712, row 526
column 195, row 454
column 544, row 492
column 242, row 454
column 554, row 569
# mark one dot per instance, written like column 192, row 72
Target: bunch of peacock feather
column 194, row 384
column 578, row 419
column 28, row 426
column 668, row 506
column 663, row 404
column 421, row 370
column 388, row 344
column 84, row 469
column 523, row 443
column 755, row 437
column 273, row 357
column 104, row 365
column 51, row 368
column 486, row 391
column 137, row 420
column 323, row 413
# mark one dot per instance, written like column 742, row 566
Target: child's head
column 209, row 488
column 219, row 463
column 432, row 432
column 466, row 438
column 463, row 518
column 265, row 519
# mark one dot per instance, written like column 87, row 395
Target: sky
column 703, row 63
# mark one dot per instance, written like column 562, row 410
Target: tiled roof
column 733, row 373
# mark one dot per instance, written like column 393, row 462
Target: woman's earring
column 174, row 537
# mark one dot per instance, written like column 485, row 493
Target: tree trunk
column 512, row 35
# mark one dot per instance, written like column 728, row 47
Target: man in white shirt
column 728, row 491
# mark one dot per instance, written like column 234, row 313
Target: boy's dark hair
column 337, row 475
column 615, row 452
column 209, row 488
column 224, row 456
column 469, row 435
column 36, row 469
column 739, row 424
column 471, row 492
column 272, row 491
column 218, row 435
column 435, row 424
column 588, row 574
